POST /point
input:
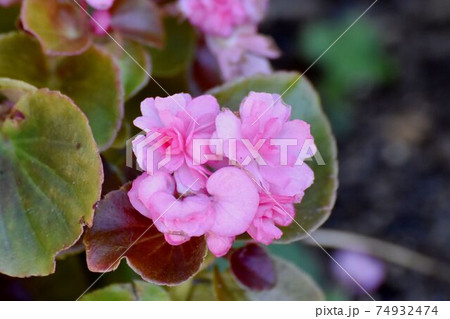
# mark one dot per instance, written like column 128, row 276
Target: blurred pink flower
column 171, row 125
column 100, row 4
column 368, row 271
column 224, row 211
column 244, row 53
column 101, row 22
column 7, row 3
column 221, row 17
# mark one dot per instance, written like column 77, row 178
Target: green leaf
column 10, row 17
column 357, row 61
column 226, row 287
column 61, row 26
column 292, row 285
column 135, row 66
column 202, row 288
column 13, row 90
column 119, row 231
column 91, row 79
column 50, row 177
column 140, row 20
column 319, row 199
column 135, row 291
column 178, row 51
column 202, row 291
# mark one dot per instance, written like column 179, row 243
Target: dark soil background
column 395, row 153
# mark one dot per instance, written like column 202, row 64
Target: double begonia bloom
column 272, row 148
column 171, row 125
column 250, row 185
column 225, row 210
column 221, row 17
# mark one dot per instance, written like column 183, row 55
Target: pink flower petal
column 235, row 201
column 243, row 53
column 150, row 118
column 204, row 110
column 133, row 195
column 263, row 230
column 100, row 4
column 218, row 17
column 176, row 240
column 145, row 186
column 261, row 107
column 189, row 179
column 288, row 181
column 228, row 125
column 219, row 245
column 173, row 104
column 190, row 216
column 299, row 131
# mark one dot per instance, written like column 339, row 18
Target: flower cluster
column 230, row 28
column 216, row 173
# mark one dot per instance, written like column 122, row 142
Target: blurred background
column 385, row 86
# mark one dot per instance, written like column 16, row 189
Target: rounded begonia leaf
column 10, row 17
column 140, row 20
column 119, row 231
column 13, row 90
column 292, row 285
column 134, row 70
column 61, row 26
column 134, row 291
column 50, row 178
column 319, row 199
column 91, row 79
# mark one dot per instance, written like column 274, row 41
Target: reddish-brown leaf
column 61, row 26
column 253, row 267
column 119, row 231
column 139, row 20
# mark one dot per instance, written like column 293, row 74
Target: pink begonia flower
column 244, row 53
column 224, row 211
column 101, row 22
column 264, row 125
column 171, row 125
column 221, row 17
column 100, row 4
